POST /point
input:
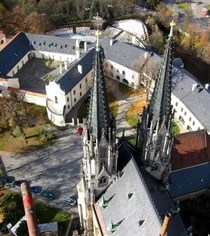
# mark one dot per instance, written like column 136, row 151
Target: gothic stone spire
column 154, row 138
column 160, row 104
column 99, row 115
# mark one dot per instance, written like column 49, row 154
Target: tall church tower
column 154, row 135
column 99, row 143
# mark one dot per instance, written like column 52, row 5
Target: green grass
column 135, row 108
column 185, row 6
column 47, row 214
column 131, row 139
column 36, row 137
column 128, row 91
column 175, row 129
column 11, row 210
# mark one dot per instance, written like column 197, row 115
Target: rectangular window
column 68, row 99
column 185, row 113
column 133, row 76
column 80, row 94
column 123, row 72
column 75, row 99
column 56, row 99
column 112, row 67
column 68, row 106
column 193, row 123
column 118, row 70
column 74, row 92
column 86, row 80
column 176, row 104
column 190, row 119
column 80, row 86
column 182, row 109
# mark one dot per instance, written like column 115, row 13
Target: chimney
column 111, row 42
column 146, row 55
column 207, row 86
column 77, row 49
column 165, row 224
column 61, row 69
column 79, row 67
column 65, row 65
column 133, row 39
column 194, row 86
column 85, row 46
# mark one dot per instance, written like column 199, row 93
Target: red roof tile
column 190, row 149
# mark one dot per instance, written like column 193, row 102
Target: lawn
column 133, row 110
column 175, row 129
column 36, row 137
column 11, row 210
column 128, row 91
column 185, row 6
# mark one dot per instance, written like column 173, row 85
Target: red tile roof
column 190, row 149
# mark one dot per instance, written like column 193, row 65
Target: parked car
column 47, row 194
column 79, row 131
column 34, row 190
column 70, row 201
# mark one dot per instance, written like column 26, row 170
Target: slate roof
column 125, row 54
column 190, row 149
column 129, row 211
column 13, row 53
column 51, row 43
column 196, row 101
column 163, row 203
column 72, row 77
column 190, row 180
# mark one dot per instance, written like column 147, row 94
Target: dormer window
column 130, row 195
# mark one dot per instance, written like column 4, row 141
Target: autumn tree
column 147, row 70
column 14, row 21
column 164, row 14
column 33, row 23
column 13, row 112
